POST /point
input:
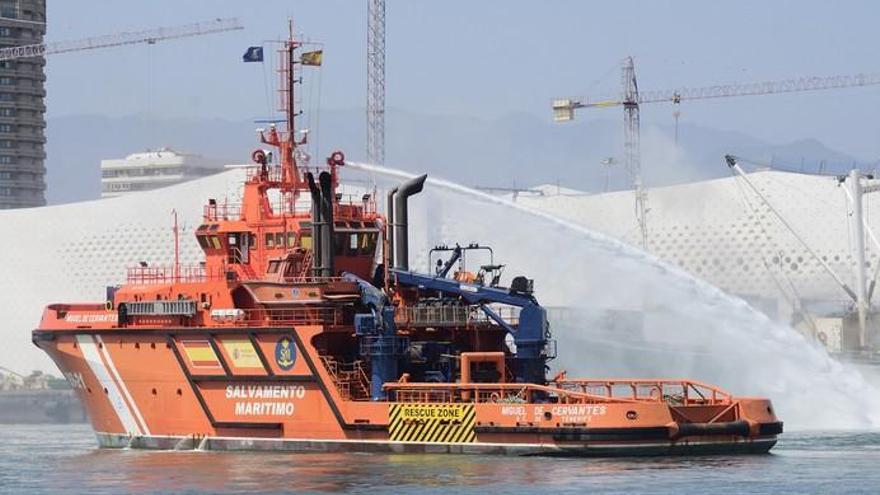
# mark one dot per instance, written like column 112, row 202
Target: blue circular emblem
column 285, row 353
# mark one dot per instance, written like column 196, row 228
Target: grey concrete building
column 22, row 107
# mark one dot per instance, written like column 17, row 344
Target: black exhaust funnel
column 327, row 242
column 389, row 225
column 317, row 227
column 401, row 236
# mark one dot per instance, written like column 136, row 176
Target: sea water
column 64, row 459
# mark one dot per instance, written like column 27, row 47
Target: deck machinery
column 306, row 329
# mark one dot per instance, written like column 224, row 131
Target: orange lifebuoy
column 494, row 397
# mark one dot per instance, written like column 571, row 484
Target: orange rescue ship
column 297, row 334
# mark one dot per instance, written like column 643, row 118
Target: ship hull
column 269, row 388
column 513, row 448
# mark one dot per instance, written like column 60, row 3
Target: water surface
column 65, row 459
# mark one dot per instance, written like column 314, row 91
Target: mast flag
column 253, row 54
column 312, row 58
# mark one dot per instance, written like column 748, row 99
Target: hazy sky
column 488, row 59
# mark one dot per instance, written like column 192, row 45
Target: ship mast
column 290, row 182
column 290, row 174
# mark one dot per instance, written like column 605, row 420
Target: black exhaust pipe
column 317, row 264
column 404, row 191
column 389, row 225
column 327, row 242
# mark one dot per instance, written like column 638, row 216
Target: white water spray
column 688, row 328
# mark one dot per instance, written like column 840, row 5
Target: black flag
column 253, row 54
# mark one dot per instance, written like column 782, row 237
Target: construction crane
column 376, row 82
column 631, row 99
column 150, row 36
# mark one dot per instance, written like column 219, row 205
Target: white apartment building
column 152, row 170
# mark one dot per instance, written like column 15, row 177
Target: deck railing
column 512, row 393
column 277, row 317
column 451, row 315
column 146, row 275
column 673, row 392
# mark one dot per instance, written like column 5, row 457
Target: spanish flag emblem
column 312, row 58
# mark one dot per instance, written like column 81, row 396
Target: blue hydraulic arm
column 379, row 339
column 531, row 334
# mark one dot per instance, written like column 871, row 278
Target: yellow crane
column 631, row 99
column 150, row 36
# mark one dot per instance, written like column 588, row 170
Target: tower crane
column 631, row 99
column 150, row 36
column 376, row 82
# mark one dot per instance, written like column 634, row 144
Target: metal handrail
column 143, row 275
column 281, row 317
column 567, row 391
column 452, row 315
column 489, row 392
column 680, row 391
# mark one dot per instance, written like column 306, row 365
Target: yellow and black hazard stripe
column 431, row 423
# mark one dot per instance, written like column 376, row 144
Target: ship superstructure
column 306, row 329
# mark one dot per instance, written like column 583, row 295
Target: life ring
column 495, row 397
column 109, row 305
column 823, row 338
column 259, row 156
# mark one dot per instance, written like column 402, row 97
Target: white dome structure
column 71, row 252
column 723, row 232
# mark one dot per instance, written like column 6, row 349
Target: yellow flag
column 312, row 58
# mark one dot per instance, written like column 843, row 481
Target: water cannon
column 336, row 159
column 522, row 285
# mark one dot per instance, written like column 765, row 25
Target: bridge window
column 305, row 240
column 215, row 242
column 270, row 240
column 279, row 240
column 339, row 244
column 291, row 239
column 368, row 243
column 273, row 266
column 203, row 241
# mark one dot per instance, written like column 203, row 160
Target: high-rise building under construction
column 22, row 109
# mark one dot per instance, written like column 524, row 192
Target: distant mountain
column 518, row 149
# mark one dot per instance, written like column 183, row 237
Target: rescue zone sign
column 432, row 411
column 431, row 423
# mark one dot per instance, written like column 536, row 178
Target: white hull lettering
column 264, row 409
column 265, row 391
